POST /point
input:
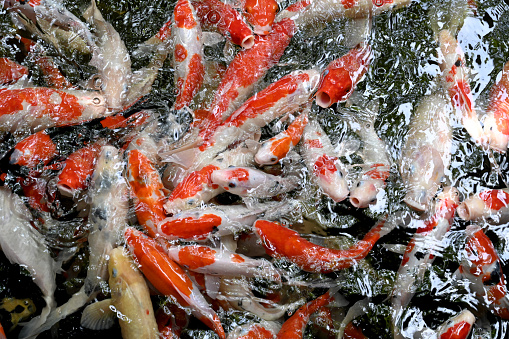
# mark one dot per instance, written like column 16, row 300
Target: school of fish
column 200, row 221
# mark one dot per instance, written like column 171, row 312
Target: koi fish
column 188, row 53
column 376, row 166
column 325, row 168
column 496, row 120
column 213, row 220
column 294, row 327
column 214, row 14
column 490, row 204
column 78, row 168
column 458, row 327
column 130, row 297
column 426, row 154
column 207, row 260
column 342, row 75
column 11, row 71
column 23, row 245
column 255, row 330
column 29, row 110
column 481, row 266
column 455, row 82
column 277, row 147
column 107, row 216
column 261, row 14
column 148, row 191
column 169, row 279
column 282, row 242
column 419, row 254
column 33, row 150
column 245, row 181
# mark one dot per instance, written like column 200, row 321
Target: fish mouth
column 323, row 99
column 463, row 212
column 247, row 42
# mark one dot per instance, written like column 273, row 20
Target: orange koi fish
column 294, row 327
column 341, row 76
column 33, row 150
column 458, row 327
column 490, row 204
column 419, row 255
column 11, row 71
column 282, row 242
column 169, row 278
column 455, row 80
column 481, row 266
column 78, row 169
column 324, row 166
column 148, row 191
column 207, row 260
column 30, row 110
column 215, row 14
column 496, row 121
column 188, row 53
column 261, row 14
column 277, row 147
column 254, row 330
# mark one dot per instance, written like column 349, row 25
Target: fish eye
column 457, row 63
column 232, row 185
column 96, row 100
column 372, row 201
column 273, row 159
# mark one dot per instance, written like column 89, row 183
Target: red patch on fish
column 377, row 173
column 314, row 143
column 494, row 199
column 180, row 53
column 348, row 3
column 194, row 257
column 261, row 12
column 236, row 258
column 458, row 331
column 193, row 183
column 10, row 71
column 324, row 166
column 190, row 228
column 183, row 15
column 78, row 167
column 241, row 174
column 35, row 149
column 190, row 86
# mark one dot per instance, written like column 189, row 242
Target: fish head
column 336, row 86
column 237, row 180
column 365, row 191
column 472, row 208
column 261, row 14
column 422, row 172
column 493, row 135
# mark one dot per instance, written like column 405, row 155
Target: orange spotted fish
column 419, row 256
column 33, row 150
column 496, row 120
column 325, row 168
column 207, row 260
column 78, row 169
column 341, row 76
column 481, row 266
column 187, row 53
column 147, row 189
column 458, row 327
column 282, row 242
column 29, row 110
column 255, row 330
column 277, row 147
column 215, row 14
column 169, row 278
column 11, row 71
column 489, row 204
column 261, row 14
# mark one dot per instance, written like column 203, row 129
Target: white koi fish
column 426, row 154
column 23, row 245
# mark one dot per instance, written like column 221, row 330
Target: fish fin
column 184, row 158
column 347, row 147
column 39, row 324
column 99, row 315
column 395, row 248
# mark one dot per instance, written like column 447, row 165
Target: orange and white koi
column 187, row 54
column 169, row 278
column 255, row 330
column 325, row 168
column 261, row 14
column 481, row 266
column 420, row 253
column 457, row 327
column 294, row 327
column 455, row 82
column 245, row 181
column 148, row 191
column 342, row 75
column 207, row 260
column 282, row 242
column 25, row 246
column 489, row 204
column 376, row 168
column 33, row 150
column 496, row 120
column 277, row 147
column 215, row 14
column 30, row 110
column 426, row 154
column 11, row 71
column 78, row 169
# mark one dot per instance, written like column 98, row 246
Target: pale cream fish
column 490, row 205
